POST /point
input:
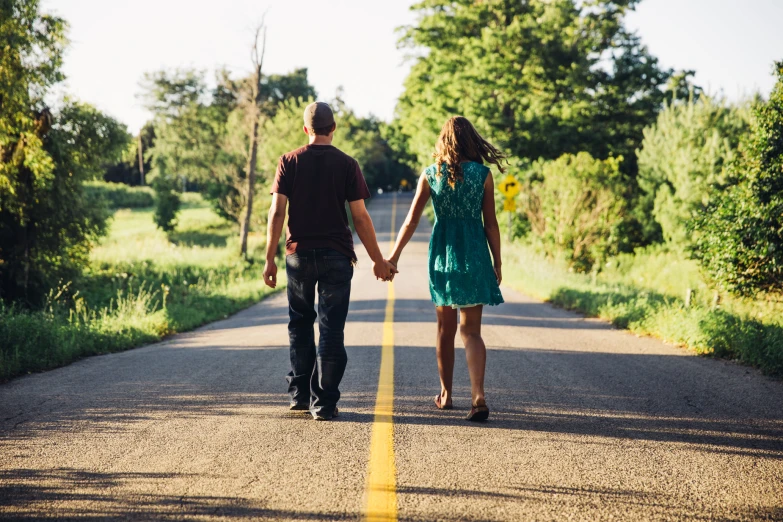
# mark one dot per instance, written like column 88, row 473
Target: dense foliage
column 684, row 162
column 542, row 78
column 575, row 208
column 740, row 237
column 47, row 221
column 167, row 199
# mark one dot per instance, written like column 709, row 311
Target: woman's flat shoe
column 444, row 406
column 478, row 414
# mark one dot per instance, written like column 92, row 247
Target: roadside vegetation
column 647, row 292
column 139, row 286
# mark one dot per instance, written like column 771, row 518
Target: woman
column 462, row 275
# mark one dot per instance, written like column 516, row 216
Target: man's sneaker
column 322, row 416
column 298, row 406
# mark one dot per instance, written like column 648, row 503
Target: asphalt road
column 589, row 423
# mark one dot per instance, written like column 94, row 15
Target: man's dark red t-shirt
column 318, row 180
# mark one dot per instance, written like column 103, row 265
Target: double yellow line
column 381, row 488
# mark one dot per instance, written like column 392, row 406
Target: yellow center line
column 381, row 488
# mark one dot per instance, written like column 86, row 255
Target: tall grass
column 141, row 286
column 646, row 292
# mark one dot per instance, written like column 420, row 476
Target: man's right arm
column 274, row 230
column 366, row 232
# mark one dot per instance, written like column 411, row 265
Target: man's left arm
column 274, row 230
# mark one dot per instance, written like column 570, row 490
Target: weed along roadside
column 646, row 294
column 141, row 285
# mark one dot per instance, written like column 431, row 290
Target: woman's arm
column 491, row 228
column 412, row 221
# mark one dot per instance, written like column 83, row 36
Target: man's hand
column 384, row 270
column 270, row 274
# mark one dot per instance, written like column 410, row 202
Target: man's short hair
column 322, row 131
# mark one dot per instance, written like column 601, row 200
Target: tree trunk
column 251, row 184
column 255, row 100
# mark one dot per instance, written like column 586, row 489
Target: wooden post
column 141, row 160
column 688, row 298
column 716, row 300
column 510, row 224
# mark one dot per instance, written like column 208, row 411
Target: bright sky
column 351, row 43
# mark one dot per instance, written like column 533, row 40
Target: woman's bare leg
column 447, row 330
column 475, row 351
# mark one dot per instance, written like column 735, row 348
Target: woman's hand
column 498, row 273
column 393, row 262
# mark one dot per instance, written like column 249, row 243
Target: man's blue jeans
column 316, row 373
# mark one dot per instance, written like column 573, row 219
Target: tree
column 684, row 161
column 183, row 129
column 540, row 78
column 47, row 221
column 127, row 170
column 739, row 238
column 99, row 139
column 574, row 205
column 254, row 99
column 167, row 200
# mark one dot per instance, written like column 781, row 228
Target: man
column 316, row 181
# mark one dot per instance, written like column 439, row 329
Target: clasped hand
column 384, row 270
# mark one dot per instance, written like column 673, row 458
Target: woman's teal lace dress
column 460, row 265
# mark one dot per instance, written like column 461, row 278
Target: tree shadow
column 67, row 493
column 611, row 395
column 579, row 498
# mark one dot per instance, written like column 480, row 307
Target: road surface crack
column 690, row 403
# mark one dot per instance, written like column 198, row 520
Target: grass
column 141, row 285
column 645, row 293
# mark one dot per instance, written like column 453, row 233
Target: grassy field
column 141, row 286
column 645, row 293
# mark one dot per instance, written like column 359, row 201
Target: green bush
column 739, row 239
column 575, row 206
column 167, row 199
column 684, row 160
column 119, row 195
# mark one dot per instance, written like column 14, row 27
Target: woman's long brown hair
column 459, row 141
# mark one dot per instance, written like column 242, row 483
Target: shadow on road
column 614, row 395
column 654, row 504
column 72, row 493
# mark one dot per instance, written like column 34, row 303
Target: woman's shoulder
column 431, row 173
column 431, row 170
